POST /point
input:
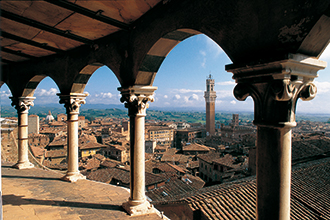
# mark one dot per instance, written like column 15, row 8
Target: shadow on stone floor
column 19, row 200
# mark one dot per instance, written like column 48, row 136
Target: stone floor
column 38, row 194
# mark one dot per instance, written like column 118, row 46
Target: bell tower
column 210, row 96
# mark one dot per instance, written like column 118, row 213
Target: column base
column 73, row 177
column 142, row 209
column 23, row 165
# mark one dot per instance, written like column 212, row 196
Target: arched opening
column 102, row 89
column 182, row 71
column 5, row 93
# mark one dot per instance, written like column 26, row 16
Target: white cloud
column 44, row 92
column 202, row 52
column 187, row 90
column 5, row 94
column 176, row 97
column 322, row 87
column 224, row 93
column 233, row 102
column 193, row 97
column 165, row 96
column 226, row 83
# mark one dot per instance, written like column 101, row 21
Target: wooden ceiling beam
column 44, row 27
column 89, row 13
column 30, row 42
column 7, row 61
column 17, row 53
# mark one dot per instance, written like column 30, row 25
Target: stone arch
column 31, row 86
column 84, row 75
column 157, row 53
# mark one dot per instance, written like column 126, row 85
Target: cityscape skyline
column 181, row 82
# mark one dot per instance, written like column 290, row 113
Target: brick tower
column 210, row 96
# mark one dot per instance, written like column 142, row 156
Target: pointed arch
column 157, row 53
column 84, row 75
column 31, row 86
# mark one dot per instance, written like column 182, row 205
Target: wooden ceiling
column 34, row 29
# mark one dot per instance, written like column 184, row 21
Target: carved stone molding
column 276, row 88
column 136, row 98
column 22, row 104
column 72, row 102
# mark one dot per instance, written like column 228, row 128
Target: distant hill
column 91, row 111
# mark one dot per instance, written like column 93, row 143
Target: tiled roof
column 164, row 167
column 209, row 157
column 59, row 141
column 91, row 145
column 56, row 153
column 194, row 181
column 311, row 186
column 227, row 160
column 310, row 197
column 91, row 164
column 195, row 147
column 193, row 164
column 172, row 188
column 177, row 168
column 175, row 158
column 304, row 149
column 110, row 163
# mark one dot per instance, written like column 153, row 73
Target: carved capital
column 72, row 102
column 22, row 104
column 275, row 88
column 136, row 98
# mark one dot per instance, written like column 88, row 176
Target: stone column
column 136, row 98
column 22, row 105
column 72, row 103
column 275, row 88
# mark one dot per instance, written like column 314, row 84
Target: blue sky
column 181, row 82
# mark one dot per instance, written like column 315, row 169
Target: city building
column 90, row 148
column 150, row 146
column 116, row 152
column 274, row 47
column 234, row 132
column 210, row 96
column 163, row 135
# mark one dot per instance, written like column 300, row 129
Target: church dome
column 49, row 117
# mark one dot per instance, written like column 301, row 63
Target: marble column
column 72, row 103
column 22, row 105
column 275, row 88
column 136, row 98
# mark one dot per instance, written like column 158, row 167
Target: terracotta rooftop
column 91, row 145
column 310, row 197
column 195, row 147
column 56, row 153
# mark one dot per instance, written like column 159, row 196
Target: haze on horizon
column 181, row 82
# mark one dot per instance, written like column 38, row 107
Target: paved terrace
column 38, row 194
